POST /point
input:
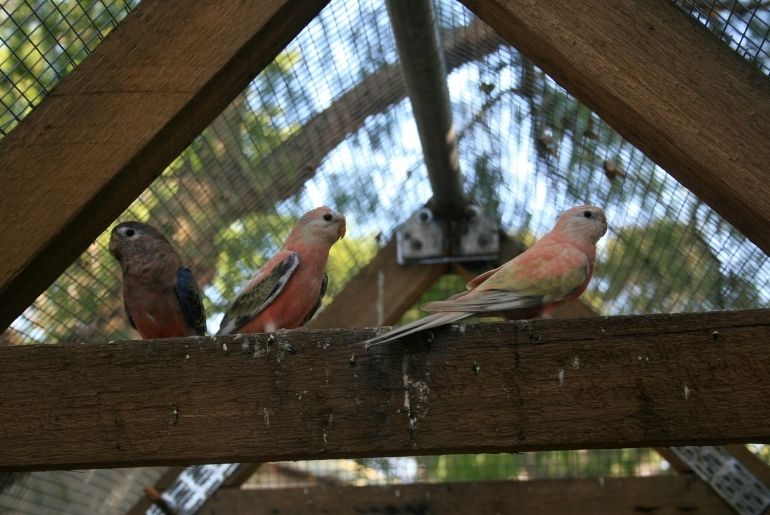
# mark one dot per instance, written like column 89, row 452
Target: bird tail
column 427, row 322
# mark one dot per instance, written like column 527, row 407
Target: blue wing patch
column 252, row 301
column 190, row 300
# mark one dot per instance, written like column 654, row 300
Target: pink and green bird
column 161, row 297
column 287, row 291
column 555, row 270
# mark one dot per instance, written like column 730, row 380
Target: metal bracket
column 193, row 487
column 728, row 477
column 424, row 238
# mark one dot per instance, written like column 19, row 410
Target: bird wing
column 542, row 275
column 189, row 297
column 261, row 291
column 324, row 285
column 539, row 277
column 128, row 315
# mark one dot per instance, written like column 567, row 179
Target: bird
column 161, row 297
column 287, row 291
column 555, row 270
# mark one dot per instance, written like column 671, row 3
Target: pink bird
column 161, row 297
column 555, row 270
column 287, row 291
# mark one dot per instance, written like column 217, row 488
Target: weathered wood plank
column 114, row 123
column 380, row 293
column 547, row 384
column 666, row 84
column 662, row 495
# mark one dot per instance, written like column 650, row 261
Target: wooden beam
column 688, row 379
column 663, row 82
column 113, row 124
column 615, row 496
column 380, row 293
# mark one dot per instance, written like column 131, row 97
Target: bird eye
column 328, row 217
column 130, row 232
column 587, row 214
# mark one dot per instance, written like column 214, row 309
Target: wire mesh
column 76, row 491
column 744, row 25
column 41, row 41
column 328, row 122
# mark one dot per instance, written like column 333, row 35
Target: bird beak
column 341, row 226
column 113, row 246
column 114, row 249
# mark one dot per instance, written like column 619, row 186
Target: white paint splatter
column 224, row 347
column 266, row 417
column 186, row 356
column 561, row 377
column 415, row 398
column 576, row 363
column 687, row 391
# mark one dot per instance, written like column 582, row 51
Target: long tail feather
column 428, row 322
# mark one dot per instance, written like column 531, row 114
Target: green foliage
column 43, row 42
column 487, row 177
column 445, row 286
column 670, row 266
column 521, row 466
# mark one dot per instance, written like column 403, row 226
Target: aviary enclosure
column 470, row 124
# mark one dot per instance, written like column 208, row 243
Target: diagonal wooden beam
column 380, row 293
column 686, row 379
column 628, row 495
column 113, row 124
column 663, row 82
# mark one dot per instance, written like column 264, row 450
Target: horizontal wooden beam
column 113, row 124
column 615, row 496
column 688, row 379
column 663, row 82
